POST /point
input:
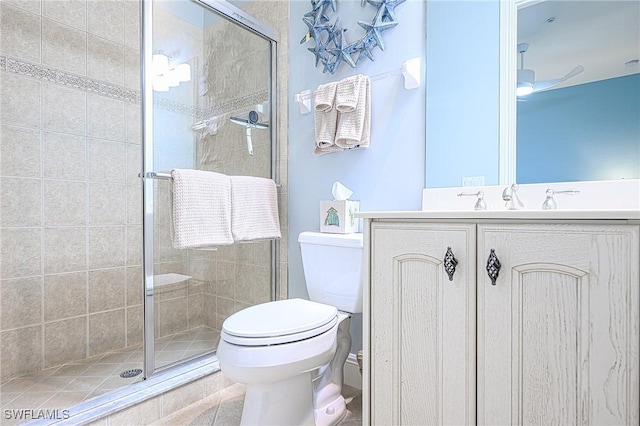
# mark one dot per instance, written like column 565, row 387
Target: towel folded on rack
column 201, row 209
column 326, row 118
column 354, row 121
column 254, row 209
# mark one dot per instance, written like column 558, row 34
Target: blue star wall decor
column 331, row 46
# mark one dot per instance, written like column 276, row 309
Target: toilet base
column 332, row 413
column 286, row 402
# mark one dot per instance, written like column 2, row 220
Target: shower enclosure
column 94, row 297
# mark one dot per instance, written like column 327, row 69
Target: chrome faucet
column 480, row 203
column 550, row 203
column 510, row 196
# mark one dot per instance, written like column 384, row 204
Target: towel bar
column 167, row 176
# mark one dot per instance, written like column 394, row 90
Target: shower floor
column 70, row 384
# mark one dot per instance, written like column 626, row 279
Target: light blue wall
column 578, row 133
column 388, row 175
column 462, row 118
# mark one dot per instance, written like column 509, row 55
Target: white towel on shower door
column 254, row 209
column 201, row 209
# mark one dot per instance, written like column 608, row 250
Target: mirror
column 586, row 126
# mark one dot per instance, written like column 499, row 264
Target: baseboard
column 352, row 376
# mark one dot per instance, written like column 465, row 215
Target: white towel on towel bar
column 201, row 209
column 326, row 118
column 354, row 121
column 254, row 209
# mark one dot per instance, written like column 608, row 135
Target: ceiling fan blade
column 547, row 84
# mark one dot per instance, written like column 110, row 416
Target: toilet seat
column 282, row 321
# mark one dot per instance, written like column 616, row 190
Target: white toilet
column 291, row 353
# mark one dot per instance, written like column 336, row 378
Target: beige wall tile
column 106, row 247
column 105, row 19
column 106, row 289
column 72, row 102
column 107, row 204
column 64, row 156
column 134, row 286
column 106, row 331
column 64, row 203
column 20, row 33
column 64, row 47
column 181, row 397
column 105, row 60
column 134, row 325
column 171, row 316
column 132, row 122
column 21, row 201
column 20, row 101
column 20, row 252
column 105, row 118
column 131, row 69
column 195, row 311
column 140, row 414
column 21, row 302
column 64, row 250
column 25, row 355
column 20, row 152
column 65, row 295
column 33, row 6
column 226, row 279
column 132, row 26
column 134, row 164
column 65, row 341
column 134, row 245
column 134, row 204
column 106, row 161
column 68, row 12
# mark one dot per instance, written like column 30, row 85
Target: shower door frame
column 148, row 175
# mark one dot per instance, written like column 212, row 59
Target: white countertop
column 629, row 215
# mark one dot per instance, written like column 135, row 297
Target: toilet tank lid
column 326, row 239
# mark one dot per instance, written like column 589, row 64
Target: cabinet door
column 422, row 325
column 558, row 332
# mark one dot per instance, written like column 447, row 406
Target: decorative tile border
column 66, row 79
column 63, row 78
column 242, row 103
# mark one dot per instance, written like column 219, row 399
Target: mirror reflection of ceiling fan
column 526, row 78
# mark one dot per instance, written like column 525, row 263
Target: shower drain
column 130, row 373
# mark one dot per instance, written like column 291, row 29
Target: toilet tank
column 332, row 269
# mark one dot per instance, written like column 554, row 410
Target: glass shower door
column 211, row 90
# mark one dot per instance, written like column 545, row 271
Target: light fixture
column 526, row 80
column 526, row 77
column 165, row 76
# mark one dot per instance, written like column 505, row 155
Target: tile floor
column 67, row 385
column 224, row 408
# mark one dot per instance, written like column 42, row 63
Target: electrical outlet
column 473, row 181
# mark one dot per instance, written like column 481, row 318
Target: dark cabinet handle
column 493, row 267
column 450, row 263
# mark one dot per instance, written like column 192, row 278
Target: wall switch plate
column 473, row 181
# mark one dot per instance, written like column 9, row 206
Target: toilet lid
column 277, row 322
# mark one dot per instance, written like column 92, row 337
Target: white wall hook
column 303, row 99
column 411, row 73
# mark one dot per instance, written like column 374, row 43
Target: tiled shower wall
column 70, row 219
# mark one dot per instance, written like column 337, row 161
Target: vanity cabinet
column 557, row 336
column 422, row 324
